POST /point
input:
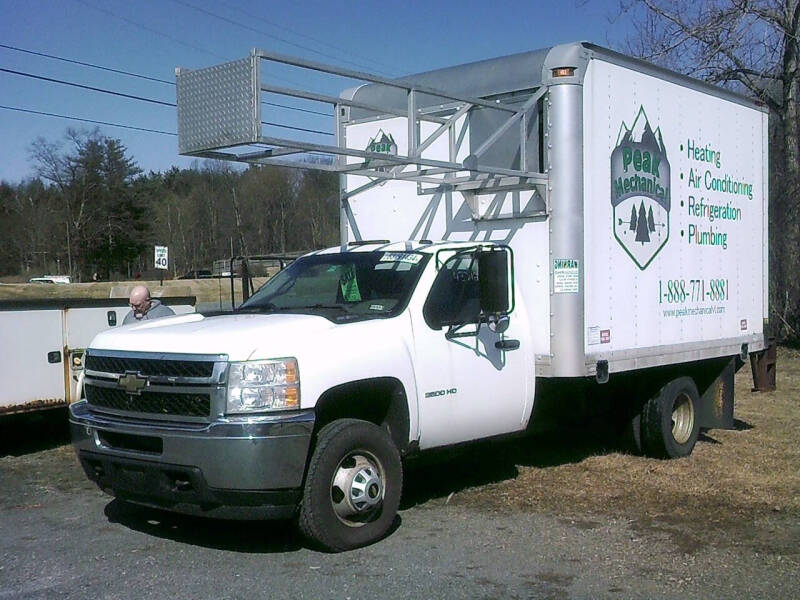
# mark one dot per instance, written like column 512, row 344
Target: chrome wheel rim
column 357, row 488
column 682, row 418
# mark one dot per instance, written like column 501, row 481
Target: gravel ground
column 541, row 519
column 64, row 539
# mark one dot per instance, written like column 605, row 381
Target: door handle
column 507, row 344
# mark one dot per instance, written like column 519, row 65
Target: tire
column 353, row 486
column 631, row 432
column 669, row 422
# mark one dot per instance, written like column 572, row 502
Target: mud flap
column 716, row 402
column 763, row 366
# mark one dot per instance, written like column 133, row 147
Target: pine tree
column 651, row 224
column 642, row 235
column 633, row 218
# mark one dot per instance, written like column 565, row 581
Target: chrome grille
column 150, row 366
column 159, row 403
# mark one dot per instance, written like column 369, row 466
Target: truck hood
column 238, row 336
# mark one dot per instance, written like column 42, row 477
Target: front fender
column 375, row 349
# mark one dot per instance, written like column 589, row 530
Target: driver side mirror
column 493, row 273
column 472, row 287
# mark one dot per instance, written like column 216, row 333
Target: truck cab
column 308, row 395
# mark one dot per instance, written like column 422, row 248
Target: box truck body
column 567, row 224
column 653, row 246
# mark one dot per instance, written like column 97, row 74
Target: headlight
column 260, row 385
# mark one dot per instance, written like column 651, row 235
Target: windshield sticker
column 376, row 306
column 349, row 285
column 404, row 257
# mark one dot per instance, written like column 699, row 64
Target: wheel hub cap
column 357, row 489
column 682, row 419
column 366, row 489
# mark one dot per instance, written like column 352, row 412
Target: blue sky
column 152, row 37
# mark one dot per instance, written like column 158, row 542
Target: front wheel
column 353, row 486
column 669, row 422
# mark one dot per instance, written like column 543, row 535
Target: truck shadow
column 250, row 537
column 436, row 474
column 34, row 432
column 439, row 473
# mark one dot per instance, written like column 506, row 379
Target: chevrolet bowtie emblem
column 133, row 382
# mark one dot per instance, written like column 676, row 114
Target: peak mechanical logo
column 382, row 143
column 640, row 190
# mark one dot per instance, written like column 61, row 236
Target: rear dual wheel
column 353, row 486
column 669, row 420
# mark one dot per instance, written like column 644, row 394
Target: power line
column 147, row 77
column 303, row 35
column 305, row 110
column 153, row 101
column 96, row 122
column 151, row 30
column 254, row 30
column 167, row 36
column 71, row 118
column 140, row 76
column 86, row 64
column 144, row 99
column 297, row 128
column 87, row 87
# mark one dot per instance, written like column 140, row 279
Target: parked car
column 51, row 279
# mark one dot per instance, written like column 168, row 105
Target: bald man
column 143, row 307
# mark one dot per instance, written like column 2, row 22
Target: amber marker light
column 564, row 72
column 291, row 371
column 292, row 398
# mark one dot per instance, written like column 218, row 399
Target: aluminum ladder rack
column 221, row 116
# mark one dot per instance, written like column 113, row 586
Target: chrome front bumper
column 248, row 467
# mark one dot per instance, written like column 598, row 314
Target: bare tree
column 751, row 46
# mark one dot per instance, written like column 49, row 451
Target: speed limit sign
column 161, row 257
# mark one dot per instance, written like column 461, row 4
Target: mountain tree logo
column 640, row 190
column 382, row 143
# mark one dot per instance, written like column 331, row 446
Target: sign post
column 161, row 260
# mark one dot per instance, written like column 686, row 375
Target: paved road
column 60, row 537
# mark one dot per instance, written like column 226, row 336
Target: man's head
column 140, row 301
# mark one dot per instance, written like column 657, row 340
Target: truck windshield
column 342, row 287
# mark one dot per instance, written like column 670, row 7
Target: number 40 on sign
column 161, row 260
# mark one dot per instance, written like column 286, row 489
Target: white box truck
column 567, row 226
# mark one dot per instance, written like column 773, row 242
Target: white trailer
column 563, row 227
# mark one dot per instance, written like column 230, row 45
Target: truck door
column 31, row 359
column 471, row 382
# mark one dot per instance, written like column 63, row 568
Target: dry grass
column 731, row 475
